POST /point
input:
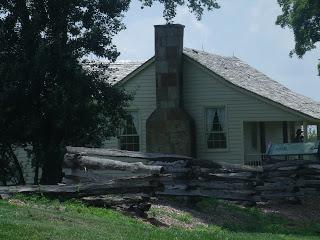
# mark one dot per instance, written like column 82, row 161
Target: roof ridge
column 205, row 52
column 86, row 61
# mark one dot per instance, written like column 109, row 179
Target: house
column 204, row 105
column 200, row 104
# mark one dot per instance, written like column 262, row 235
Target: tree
column 47, row 99
column 170, row 7
column 303, row 17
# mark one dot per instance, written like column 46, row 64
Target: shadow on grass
column 238, row 219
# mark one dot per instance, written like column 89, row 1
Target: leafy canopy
column 303, row 17
column 170, row 7
column 47, row 99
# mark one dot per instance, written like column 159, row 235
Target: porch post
column 262, row 129
column 305, row 131
column 285, row 131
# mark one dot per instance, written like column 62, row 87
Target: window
column 216, row 128
column 129, row 134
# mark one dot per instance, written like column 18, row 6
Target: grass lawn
column 33, row 218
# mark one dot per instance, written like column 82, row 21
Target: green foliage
column 170, row 7
column 303, row 17
column 47, row 99
column 312, row 133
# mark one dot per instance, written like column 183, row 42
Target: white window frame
column 120, row 135
column 225, row 131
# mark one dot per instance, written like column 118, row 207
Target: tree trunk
column 37, row 153
column 3, row 167
column 36, row 172
column 17, row 165
column 52, row 165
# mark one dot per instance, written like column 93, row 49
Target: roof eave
column 135, row 72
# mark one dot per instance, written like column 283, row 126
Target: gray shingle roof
column 246, row 77
column 115, row 72
column 232, row 70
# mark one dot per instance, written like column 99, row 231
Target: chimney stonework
column 169, row 128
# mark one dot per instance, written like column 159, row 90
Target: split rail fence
column 129, row 180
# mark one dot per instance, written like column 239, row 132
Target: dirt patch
column 175, row 216
column 16, row 202
column 308, row 210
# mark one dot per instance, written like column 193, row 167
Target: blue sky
column 244, row 28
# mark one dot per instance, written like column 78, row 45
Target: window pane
column 215, row 119
column 210, row 144
column 219, row 136
column 215, row 126
column 129, row 138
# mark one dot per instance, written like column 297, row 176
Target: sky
column 243, row 28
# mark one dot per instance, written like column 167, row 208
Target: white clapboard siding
column 202, row 90
column 26, row 165
column 143, row 86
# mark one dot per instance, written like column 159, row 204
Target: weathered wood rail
column 145, row 184
column 183, row 176
column 95, row 173
column 291, row 180
column 130, row 194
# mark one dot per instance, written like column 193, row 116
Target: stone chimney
column 169, row 128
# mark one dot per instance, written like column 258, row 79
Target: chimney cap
column 169, row 25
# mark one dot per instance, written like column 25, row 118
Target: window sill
column 217, row 150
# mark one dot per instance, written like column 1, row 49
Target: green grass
column 41, row 219
column 184, row 217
